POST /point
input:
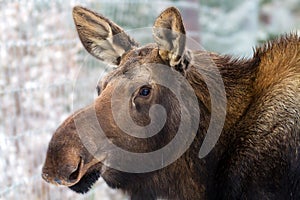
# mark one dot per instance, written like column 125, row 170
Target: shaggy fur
column 257, row 154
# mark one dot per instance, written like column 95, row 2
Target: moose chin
column 256, row 155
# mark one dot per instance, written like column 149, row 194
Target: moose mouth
column 87, row 180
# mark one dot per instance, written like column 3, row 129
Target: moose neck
column 238, row 77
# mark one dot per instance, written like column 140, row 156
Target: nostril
column 74, row 175
column 58, row 181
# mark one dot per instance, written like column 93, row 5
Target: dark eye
column 145, row 92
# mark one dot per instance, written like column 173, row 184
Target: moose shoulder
column 256, row 155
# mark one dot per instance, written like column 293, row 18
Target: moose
column 255, row 156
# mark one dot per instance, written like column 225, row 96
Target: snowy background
column 42, row 60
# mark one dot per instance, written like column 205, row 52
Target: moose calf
column 256, row 155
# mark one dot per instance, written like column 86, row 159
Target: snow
column 40, row 56
column 235, row 27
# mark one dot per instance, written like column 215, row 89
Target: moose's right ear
column 101, row 37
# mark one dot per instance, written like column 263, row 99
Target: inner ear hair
column 169, row 34
column 184, row 63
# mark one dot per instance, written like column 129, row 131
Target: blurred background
column 42, row 61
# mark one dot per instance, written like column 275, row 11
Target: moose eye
column 145, row 92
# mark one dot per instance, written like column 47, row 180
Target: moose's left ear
column 169, row 34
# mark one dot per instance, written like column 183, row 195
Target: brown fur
column 257, row 155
